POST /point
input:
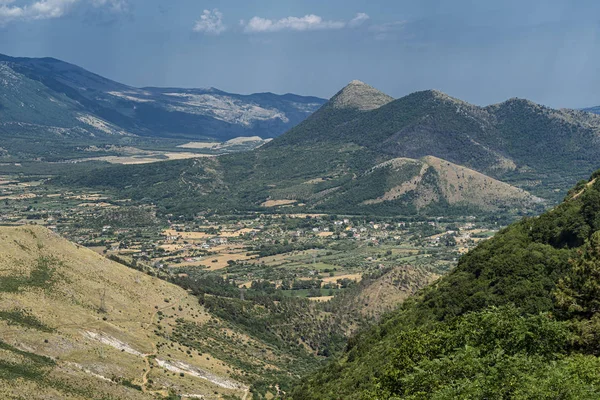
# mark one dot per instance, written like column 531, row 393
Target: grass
column 40, row 277
column 24, row 319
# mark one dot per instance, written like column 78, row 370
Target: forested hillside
column 518, row 318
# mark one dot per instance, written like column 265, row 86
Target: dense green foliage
column 518, row 318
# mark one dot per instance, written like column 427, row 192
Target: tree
column 579, row 291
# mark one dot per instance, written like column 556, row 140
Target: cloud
column 210, row 22
column 49, row 9
column 42, row 9
column 309, row 22
column 360, row 19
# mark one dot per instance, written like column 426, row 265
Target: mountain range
column 595, row 110
column 49, row 97
column 364, row 152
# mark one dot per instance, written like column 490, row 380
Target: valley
column 144, row 257
column 287, row 288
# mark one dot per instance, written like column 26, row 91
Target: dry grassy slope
column 455, row 184
column 460, row 184
column 88, row 350
column 391, row 289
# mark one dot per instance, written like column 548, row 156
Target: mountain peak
column 439, row 95
column 357, row 82
column 359, row 96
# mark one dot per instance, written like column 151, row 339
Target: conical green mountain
column 517, row 319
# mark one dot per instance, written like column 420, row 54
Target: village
column 305, row 255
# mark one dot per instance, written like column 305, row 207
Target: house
column 218, row 240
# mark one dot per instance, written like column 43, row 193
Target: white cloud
column 48, row 9
column 309, row 22
column 42, row 9
column 360, row 19
column 210, row 22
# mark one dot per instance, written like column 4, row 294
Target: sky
column 481, row 51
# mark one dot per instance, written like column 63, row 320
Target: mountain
column 503, row 139
column 358, row 95
column 517, row 318
column 595, row 110
column 363, row 152
column 45, row 96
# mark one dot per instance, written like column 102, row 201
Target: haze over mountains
column 595, row 110
column 45, row 96
column 363, row 152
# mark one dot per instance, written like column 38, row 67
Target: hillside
column 517, row 318
column 75, row 325
column 45, row 99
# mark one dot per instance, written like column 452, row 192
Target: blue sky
column 481, row 51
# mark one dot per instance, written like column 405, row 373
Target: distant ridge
column 54, row 99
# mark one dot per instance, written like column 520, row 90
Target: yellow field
column 275, row 203
column 321, row 299
column 102, row 204
column 187, row 235
column 149, row 158
column 325, row 234
column 22, row 196
column 237, row 233
column 221, row 261
column 334, row 279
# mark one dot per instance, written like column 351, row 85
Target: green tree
column 579, row 291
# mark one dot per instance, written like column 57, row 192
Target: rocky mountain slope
column 45, row 96
column 518, row 318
